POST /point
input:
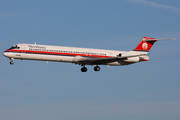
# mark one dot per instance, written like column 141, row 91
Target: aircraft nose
column 5, row 54
column 8, row 54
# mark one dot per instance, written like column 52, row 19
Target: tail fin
column 147, row 43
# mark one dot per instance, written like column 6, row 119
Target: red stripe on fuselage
column 56, row 53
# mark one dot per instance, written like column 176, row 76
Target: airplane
column 81, row 56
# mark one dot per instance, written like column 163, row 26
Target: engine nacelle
column 133, row 59
column 144, row 58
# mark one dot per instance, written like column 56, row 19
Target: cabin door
column 23, row 49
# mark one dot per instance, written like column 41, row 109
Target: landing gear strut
column 11, row 61
column 83, row 69
column 97, row 68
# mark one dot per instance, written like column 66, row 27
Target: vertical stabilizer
column 145, row 44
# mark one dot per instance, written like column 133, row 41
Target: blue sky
column 59, row 91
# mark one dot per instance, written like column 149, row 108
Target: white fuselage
column 67, row 54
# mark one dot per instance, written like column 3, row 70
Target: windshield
column 14, row 47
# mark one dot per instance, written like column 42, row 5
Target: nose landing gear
column 11, row 61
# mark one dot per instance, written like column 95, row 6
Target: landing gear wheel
column 83, row 69
column 96, row 68
column 11, row 62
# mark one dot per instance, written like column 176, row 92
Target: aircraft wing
column 94, row 61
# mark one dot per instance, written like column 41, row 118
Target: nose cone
column 8, row 54
column 5, row 54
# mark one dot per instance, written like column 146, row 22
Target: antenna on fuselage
column 35, row 43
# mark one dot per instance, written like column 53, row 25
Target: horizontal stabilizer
column 160, row 39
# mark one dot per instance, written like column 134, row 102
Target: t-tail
column 146, row 44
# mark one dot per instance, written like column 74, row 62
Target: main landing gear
column 84, row 69
column 97, row 68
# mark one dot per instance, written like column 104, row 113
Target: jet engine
column 133, row 59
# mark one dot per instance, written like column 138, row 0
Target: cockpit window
column 15, row 47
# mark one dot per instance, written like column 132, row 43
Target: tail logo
column 145, row 46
